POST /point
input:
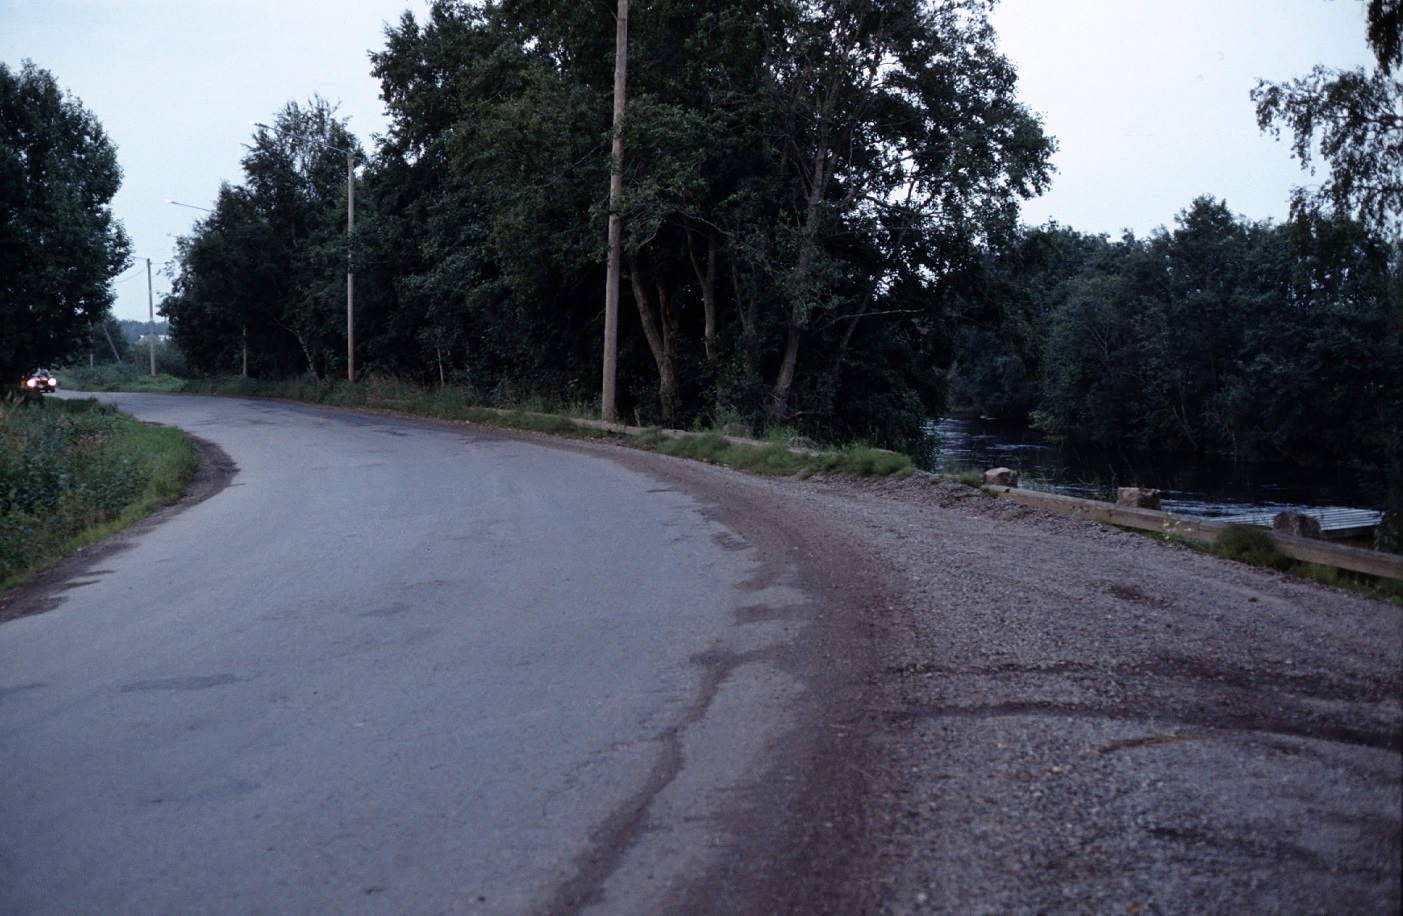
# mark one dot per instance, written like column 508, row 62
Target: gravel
column 1078, row 719
column 1047, row 715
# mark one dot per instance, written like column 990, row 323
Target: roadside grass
column 116, row 377
column 969, row 476
column 1251, row 545
column 771, row 456
column 1254, row 546
column 1390, row 590
column 73, row 472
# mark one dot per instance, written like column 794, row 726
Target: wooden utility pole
column 150, row 319
column 350, row 273
column 608, row 404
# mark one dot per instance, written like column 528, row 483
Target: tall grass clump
column 72, row 472
column 1248, row 544
column 117, row 377
column 863, row 460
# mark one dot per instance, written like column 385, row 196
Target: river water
column 1190, row 485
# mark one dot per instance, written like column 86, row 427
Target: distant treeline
column 134, row 330
column 1219, row 336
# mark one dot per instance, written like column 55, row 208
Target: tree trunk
column 777, row 403
column 108, row 334
column 307, row 352
column 659, row 333
column 706, row 276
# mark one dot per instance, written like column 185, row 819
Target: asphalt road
column 401, row 667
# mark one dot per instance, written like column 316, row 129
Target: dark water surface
column 1190, row 485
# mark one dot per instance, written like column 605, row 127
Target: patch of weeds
column 1390, row 590
column 117, row 377
column 72, row 472
column 970, row 477
column 1252, row 545
column 709, row 446
column 780, row 435
column 732, row 422
column 650, row 438
column 863, row 460
column 484, row 415
column 774, row 459
column 550, row 424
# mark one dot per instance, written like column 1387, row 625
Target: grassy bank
column 118, row 377
column 1254, row 546
column 72, row 472
column 769, row 455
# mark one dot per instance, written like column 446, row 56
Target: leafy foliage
column 1221, row 336
column 67, row 467
column 265, row 272
column 1355, row 120
column 806, row 188
column 60, row 246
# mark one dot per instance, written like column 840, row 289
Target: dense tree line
column 820, row 217
column 1219, row 336
column 809, row 191
column 261, row 281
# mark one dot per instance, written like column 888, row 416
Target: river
column 1190, row 485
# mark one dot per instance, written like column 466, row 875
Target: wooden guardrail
column 1354, row 559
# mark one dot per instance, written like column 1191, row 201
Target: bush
column 72, row 470
column 1248, row 544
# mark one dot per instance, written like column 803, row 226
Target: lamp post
column 350, row 230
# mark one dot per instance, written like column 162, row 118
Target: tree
column 1355, row 119
column 1251, row 341
column 1385, row 34
column 60, row 246
column 806, row 185
column 484, row 190
column 267, row 268
column 899, row 129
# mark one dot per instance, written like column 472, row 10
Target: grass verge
column 73, row 472
column 771, row 456
column 1247, row 544
column 118, row 377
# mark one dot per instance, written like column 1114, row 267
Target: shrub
column 1248, row 544
column 72, row 470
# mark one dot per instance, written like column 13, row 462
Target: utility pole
column 608, row 405
column 150, row 319
column 350, row 274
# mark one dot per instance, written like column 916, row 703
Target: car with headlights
column 41, row 381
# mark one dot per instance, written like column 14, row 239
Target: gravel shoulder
column 1046, row 715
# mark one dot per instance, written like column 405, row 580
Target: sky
column 1149, row 99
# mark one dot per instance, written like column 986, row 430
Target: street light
column 350, row 274
column 177, row 203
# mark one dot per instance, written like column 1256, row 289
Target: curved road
column 404, row 667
